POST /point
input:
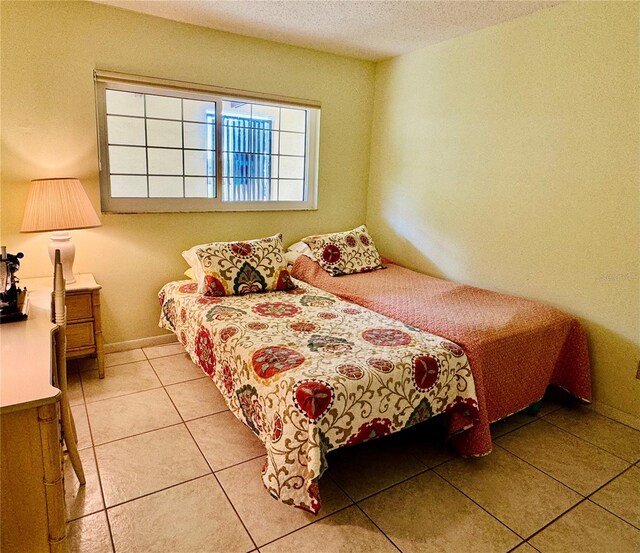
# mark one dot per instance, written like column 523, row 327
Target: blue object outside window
column 246, row 158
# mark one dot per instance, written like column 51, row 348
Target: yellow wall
column 49, row 51
column 509, row 159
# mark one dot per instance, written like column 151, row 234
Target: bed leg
column 534, row 409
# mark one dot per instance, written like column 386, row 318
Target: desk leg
column 53, row 484
column 98, row 332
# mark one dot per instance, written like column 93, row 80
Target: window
column 171, row 146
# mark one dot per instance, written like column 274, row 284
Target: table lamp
column 59, row 205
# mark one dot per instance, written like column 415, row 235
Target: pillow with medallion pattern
column 345, row 253
column 237, row 268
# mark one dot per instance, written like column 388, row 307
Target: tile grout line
column 143, row 390
column 378, row 527
column 124, row 395
column 211, row 469
column 590, row 494
column 316, row 521
column 386, row 488
column 516, row 546
column 555, row 519
column 480, row 506
column 420, row 474
column 591, row 443
column 611, row 513
column 106, row 509
column 95, row 459
column 550, row 475
column 93, row 446
column 604, row 486
column 156, row 491
column 214, row 472
column 139, row 434
column 357, row 505
column 590, row 407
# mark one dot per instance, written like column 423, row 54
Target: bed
column 516, row 347
column 308, row 372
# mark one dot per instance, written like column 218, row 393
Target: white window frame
column 106, row 80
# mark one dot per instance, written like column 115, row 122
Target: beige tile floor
column 170, row 469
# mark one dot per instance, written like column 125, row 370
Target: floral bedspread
column 308, row 373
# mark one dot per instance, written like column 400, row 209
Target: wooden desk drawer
column 79, row 307
column 80, row 335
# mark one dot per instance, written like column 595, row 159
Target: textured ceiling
column 372, row 30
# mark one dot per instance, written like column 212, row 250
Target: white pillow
column 300, row 248
column 191, row 258
column 291, row 257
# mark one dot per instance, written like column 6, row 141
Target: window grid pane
column 256, row 149
column 156, row 139
column 169, row 143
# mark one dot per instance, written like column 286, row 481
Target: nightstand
column 84, row 324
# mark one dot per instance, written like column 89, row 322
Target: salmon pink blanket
column 516, row 347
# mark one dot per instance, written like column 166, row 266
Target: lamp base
column 62, row 241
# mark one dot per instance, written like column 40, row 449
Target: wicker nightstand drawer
column 79, row 307
column 80, row 335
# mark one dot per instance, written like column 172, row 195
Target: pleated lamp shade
column 58, row 204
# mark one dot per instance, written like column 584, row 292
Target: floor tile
column 224, row 440
column 119, row 380
column 82, row 500
column 617, row 415
column 163, row 350
column 89, row 535
column 122, row 357
column 267, row 518
column 588, row 529
column 606, row 433
column 81, row 421
column 365, row 469
column 504, row 426
column 196, row 398
column 428, row 514
column 348, row 531
column 147, row 463
column 119, row 417
column 84, row 363
column 517, row 494
column 578, row 464
column 74, row 388
column 176, row 368
column 622, row 496
column 194, row 517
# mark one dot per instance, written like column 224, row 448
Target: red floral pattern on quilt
column 307, row 375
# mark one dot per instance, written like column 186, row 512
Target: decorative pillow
column 345, row 253
column 236, row 268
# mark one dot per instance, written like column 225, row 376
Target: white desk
column 32, row 492
column 26, row 358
